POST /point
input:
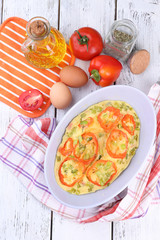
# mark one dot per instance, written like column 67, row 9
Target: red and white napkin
column 22, row 150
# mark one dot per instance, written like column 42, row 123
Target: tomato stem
column 83, row 39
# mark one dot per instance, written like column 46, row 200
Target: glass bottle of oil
column 44, row 46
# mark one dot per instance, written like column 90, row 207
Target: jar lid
column 139, row 61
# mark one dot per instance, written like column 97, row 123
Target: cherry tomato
column 31, row 100
column 67, row 148
column 101, row 172
column 86, row 43
column 117, row 144
column 109, row 118
column 129, row 124
column 71, row 171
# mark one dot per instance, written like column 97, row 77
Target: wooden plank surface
column 145, row 228
column 76, row 14
column 145, row 15
column 67, row 230
column 22, row 216
column 73, row 15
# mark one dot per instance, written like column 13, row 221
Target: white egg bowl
column 144, row 109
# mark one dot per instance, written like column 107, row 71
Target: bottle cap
column 139, row 61
column 38, row 28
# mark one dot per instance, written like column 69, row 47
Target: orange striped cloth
column 17, row 75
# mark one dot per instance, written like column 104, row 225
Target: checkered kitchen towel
column 23, row 148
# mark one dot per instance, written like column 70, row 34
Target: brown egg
column 73, row 76
column 60, row 95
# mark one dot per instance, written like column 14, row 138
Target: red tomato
column 86, row 43
column 31, row 100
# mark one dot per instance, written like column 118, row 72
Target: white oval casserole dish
column 144, row 109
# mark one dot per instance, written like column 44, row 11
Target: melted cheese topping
column 82, row 124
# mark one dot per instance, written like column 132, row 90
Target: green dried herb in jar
column 121, row 39
column 122, row 36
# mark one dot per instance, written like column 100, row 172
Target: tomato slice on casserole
column 87, row 148
column 67, row 149
column 129, row 124
column 109, row 118
column 71, row 171
column 117, row 144
column 86, row 123
column 101, row 172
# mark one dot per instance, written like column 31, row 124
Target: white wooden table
column 23, row 217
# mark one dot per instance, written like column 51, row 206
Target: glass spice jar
column 120, row 39
column 44, row 46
